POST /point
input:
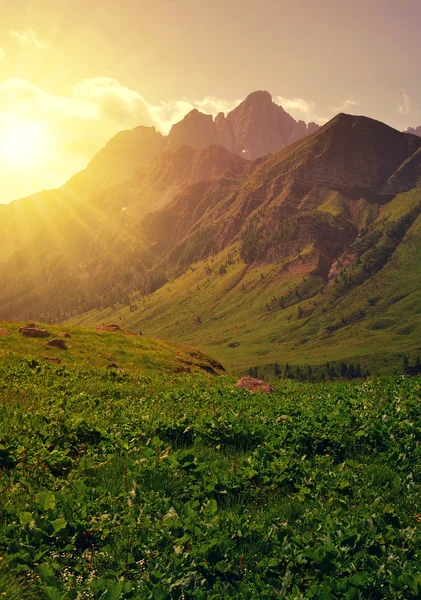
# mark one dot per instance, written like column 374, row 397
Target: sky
column 75, row 72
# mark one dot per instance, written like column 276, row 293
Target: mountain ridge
column 202, row 243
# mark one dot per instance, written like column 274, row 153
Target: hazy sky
column 74, row 72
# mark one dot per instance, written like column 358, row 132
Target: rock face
column 196, row 130
column 185, row 166
column 353, row 153
column 111, row 328
column 32, row 330
column 254, row 385
column 255, row 128
column 120, row 159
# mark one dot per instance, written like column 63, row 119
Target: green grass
column 237, row 328
column 150, row 486
column 93, row 349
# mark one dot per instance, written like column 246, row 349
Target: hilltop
column 106, row 346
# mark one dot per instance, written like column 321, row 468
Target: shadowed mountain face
column 348, row 169
column 255, row 128
column 326, row 217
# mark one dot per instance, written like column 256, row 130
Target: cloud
column 3, row 56
column 346, row 105
column 405, row 104
column 301, row 109
column 114, row 101
column 29, row 37
column 167, row 113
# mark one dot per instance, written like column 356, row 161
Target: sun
column 23, row 143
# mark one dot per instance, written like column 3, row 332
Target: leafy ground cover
column 117, row 485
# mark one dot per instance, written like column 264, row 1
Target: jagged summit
column 259, row 97
column 255, row 128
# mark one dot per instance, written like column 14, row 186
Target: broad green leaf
column 113, row 592
column 53, row 593
column 25, row 518
column 46, row 500
column 59, row 524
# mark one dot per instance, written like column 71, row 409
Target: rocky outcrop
column 254, row 385
column 110, row 328
column 31, row 330
column 255, row 128
column 60, row 344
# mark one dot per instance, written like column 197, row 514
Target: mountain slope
column 123, row 157
column 365, row 311
column 311, row 246
column 256, row 261
column 93, row 252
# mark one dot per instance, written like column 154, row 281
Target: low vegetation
column 148, row 485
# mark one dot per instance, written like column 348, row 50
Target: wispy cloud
column 346, row 105
column 29, row 37
column 113, row 101
column 301, row 109
column 405, row 104
column 171, row 111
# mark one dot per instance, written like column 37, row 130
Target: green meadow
column 157, row 484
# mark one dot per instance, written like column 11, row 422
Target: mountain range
column 239, row 234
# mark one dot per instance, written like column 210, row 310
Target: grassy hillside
column 94, row 349
column 282, row 312
column 181, row 486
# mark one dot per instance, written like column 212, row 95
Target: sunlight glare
column 23, row 143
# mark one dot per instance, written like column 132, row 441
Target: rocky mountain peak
column 258, row 98
column 255, row 128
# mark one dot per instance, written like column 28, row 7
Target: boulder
column 112, row 328
column 254, row 385
column 64, row 334
column 25, row 326
column 4, row 332
column 32, row 330
column 112, row 366
column 61, row 344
